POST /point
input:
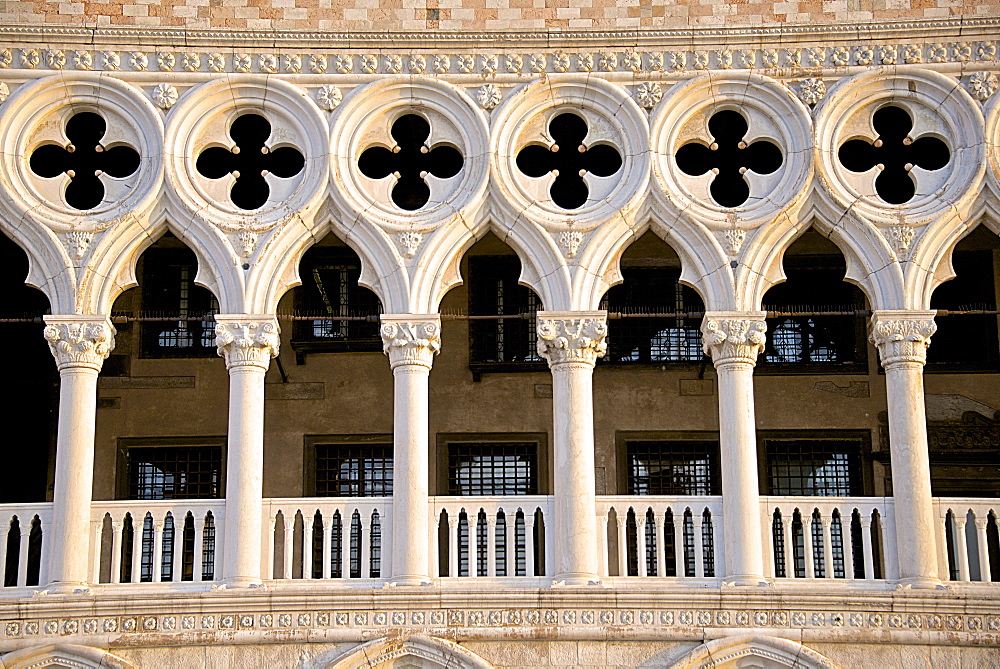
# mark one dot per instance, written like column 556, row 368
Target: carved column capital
column 902, row 336
column 733, row 336
column 411, row 339
column 247, row 340
column 80, row 341
column 572, row 336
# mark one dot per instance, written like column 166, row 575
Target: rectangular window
column 333, row 312
column 166, row 471
column 492, row 468
column 638, row 334
column 353, row 470
column 814, row 467
column 177, row 314
column 502, row 337
column 966, row 341
column 672, row 467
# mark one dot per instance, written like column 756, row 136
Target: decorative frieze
column 80, row 341
column 572, row 336
column 734, row 337
column 411, row 339
column 902, row 336
column 247, row 340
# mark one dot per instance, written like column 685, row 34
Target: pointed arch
column 63, row 655
column 774, row 653
column 434, row 653
column 50, row 269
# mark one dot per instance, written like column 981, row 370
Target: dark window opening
column 644, row 337
column 250, row 161
column 506, row 468
column 730, row 157
column 507, row 340
column 895, row 153
column 410, row 160
column 673, row 467
column 334, row 313
column 813, row 467
column 968, row 342
column 172, row 472
column 569, row 159
column 818, row 342
column 84, row 160
column 353, row 470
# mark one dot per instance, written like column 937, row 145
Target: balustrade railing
column 328, row 537
column 969, row 538
column 155, row 541
column 849, row 538
column 23, row 553
column 491, row 536
column 676, row 536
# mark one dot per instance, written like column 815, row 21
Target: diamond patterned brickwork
column 406, row 15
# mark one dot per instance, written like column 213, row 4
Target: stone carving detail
column 982, row 85
column 55, row 59
column 83, row 343
column 900, row 237
column 111, row 60
column 247, row 343
column 568, row 337
column 734, row 240
column 317, row 64
column 489, row 96
column 902, row 336
column 733, row 337
column 649, row 94
column 4, row 92
column 410, row 342
column 77, row 242
column 410, row 241
column 165, row 96
column 812, row 90
column 569, row 241
column 83, row 60
column 329, row 97
column 138, row 61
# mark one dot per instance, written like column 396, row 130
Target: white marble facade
column 168, row 100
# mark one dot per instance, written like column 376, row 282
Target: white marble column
column 571, row 342
column 902, row 338
column 247, row 342
column 80, row 345
column 734, row 339
column 410, row 341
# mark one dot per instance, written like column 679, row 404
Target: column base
column 409, row 580
column 240, row 582
column 66, row 588
column 576, row 580
column 920, row 583
column 746, row 581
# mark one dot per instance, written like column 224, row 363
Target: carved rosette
column 734, row 337
column 411, row 339
column 572, row 336
column 245, row 341
column 902, row 336
column 80, row 341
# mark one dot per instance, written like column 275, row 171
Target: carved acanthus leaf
column 246, row 342
column 734, row 337
column 410, row 340
column 902, row 336
column 572, row 337
column 86, row 342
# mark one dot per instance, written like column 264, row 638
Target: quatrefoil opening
column 85, row 160
column 250, row 161
column 569, row 159
column 895, row 154
column 729, row 157
column 410, row 161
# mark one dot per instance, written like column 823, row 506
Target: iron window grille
column 333, row 313
column 814, row 467
column 966, row 342
column 815, row 342
column 177, row 315
column 648, row 339
column 673, row 467
column 506, row 339
column 507, row 468
column 353, row 470
column 173, row 472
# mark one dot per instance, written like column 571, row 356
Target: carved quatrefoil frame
column 772, row 114
column 365, row 119
column 37, row 114
column 203, row 119
column 612, row 117
column 938, row 106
